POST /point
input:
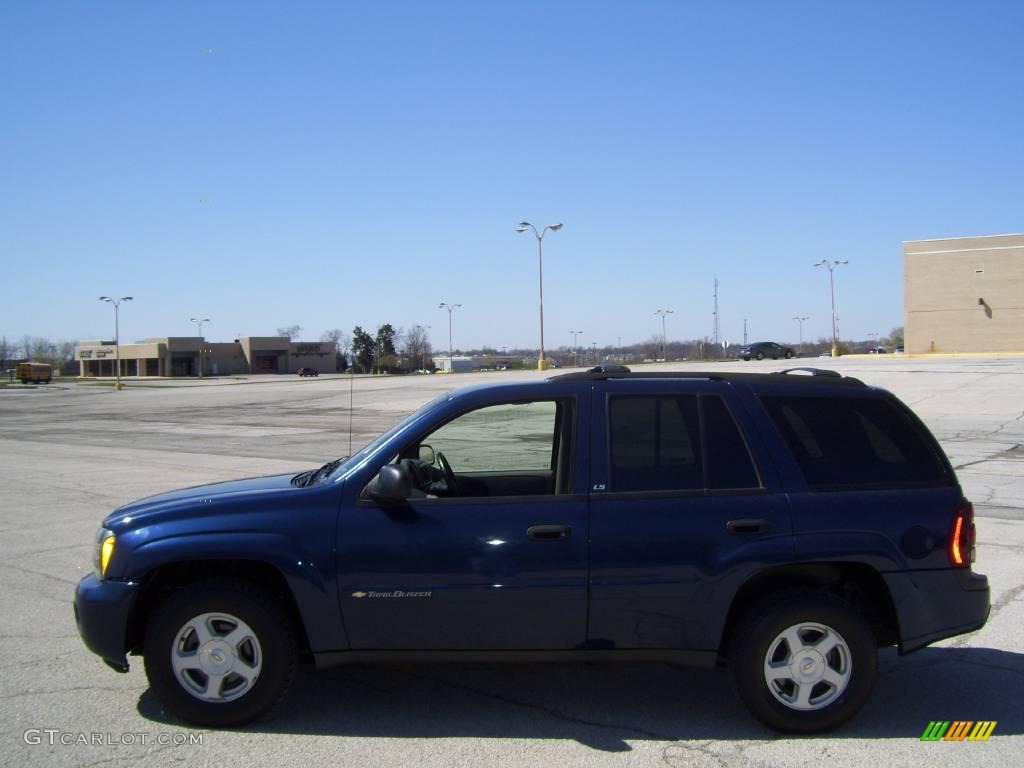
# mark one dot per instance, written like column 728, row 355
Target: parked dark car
column 784, row 525
column 759, row 350
column 308, row 372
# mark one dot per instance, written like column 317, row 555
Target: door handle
column 548, row 532
column 747, row 525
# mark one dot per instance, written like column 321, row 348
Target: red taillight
column 961, row 540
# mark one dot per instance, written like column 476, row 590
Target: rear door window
column 676, row 443
column 844, row 442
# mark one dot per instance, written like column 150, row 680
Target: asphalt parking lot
column 69, row 453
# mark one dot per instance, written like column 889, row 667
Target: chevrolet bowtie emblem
column 358, row 594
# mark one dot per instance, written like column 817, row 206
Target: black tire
column 788, row 354
column 755, row 636
column 271, row 626
column 759, row 356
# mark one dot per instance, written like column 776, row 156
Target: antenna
column 351, row 387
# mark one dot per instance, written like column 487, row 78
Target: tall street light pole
column 200, row 323
column 117, row 336
column 832, row 288
column 542, row 364
column 575, row 347
column 800, row 321
column 593, row 344
column 451, row 308
column 663, row 312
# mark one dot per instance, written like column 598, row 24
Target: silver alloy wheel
column 216, row 657
column 808, row 666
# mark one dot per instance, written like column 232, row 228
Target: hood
column 191, row 498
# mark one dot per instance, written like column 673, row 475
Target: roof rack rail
column 814, row 372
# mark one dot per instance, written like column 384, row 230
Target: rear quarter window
column 855, row 442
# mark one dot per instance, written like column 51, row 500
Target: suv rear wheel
column 803, row 662
column 219, row 652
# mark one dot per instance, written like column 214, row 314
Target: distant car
column 877, row 351
column 826, row 353
column 759, row 350
column 308, row 372
column 898, row 351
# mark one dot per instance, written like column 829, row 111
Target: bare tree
column 416, row 344
column 26, row 345
column 291, row 331
column 338, row 338
column 341, row 341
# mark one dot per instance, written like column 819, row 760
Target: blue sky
column 366, row 161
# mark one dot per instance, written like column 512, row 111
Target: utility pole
column 201, row 342
column 800, row 320
column 451, row 308
column 117, row 336
column 542, row 364
column 715, row 313
column 663, row 312
column 575, row 347
column 831, row 265
column 744, row 331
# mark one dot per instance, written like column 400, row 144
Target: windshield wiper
column 308, row 477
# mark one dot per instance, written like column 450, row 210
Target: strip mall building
column 181, row 355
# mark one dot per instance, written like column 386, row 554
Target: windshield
column 357, row 458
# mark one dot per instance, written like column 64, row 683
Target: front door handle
column 747, row 525
column 548, row 532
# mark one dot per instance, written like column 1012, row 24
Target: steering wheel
column 449, row 476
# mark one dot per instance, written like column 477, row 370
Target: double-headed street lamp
column 800, row 321
column 451, row 308
column 117, row 336
column 832, row 287
column 542, row 364
column 663, row 312
column 200, row 324
column 575, row 347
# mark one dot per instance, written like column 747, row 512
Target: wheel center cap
column 808, row 667
column 216, row 657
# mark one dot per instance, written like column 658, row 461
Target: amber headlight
column 104, row 551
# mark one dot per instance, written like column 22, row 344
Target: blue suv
column 784, row 525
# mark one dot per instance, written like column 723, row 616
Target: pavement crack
column 547, row 710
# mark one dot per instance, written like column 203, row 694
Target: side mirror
column 392, row 485
column 426, row 454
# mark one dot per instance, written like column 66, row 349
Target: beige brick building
column 181, row 355
column 964, row 294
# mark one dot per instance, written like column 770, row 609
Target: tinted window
column 729, row 462
column 854, row 442
column 654, row 444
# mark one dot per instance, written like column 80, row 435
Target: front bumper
column 101, row 613
column 934, row 605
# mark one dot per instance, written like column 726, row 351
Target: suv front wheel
column 803, row 662
column 219, row 652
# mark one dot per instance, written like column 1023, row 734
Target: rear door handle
column 747, row 525
column 548, row 532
